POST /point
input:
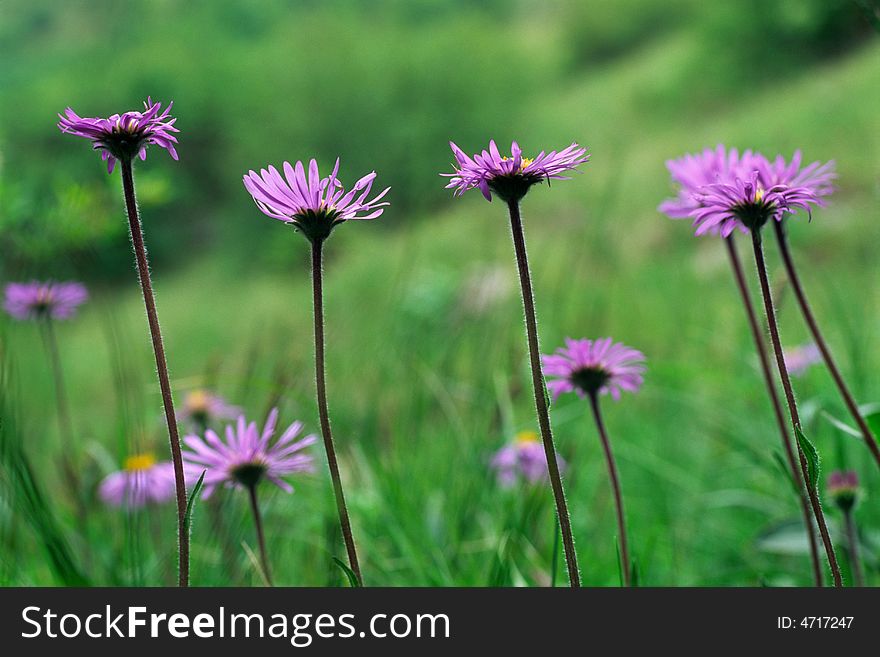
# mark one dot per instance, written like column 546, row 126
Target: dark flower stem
column 541, row 406
column 792, row 404
column 140, row 252
column 615, row 487
column 318, row 299
column 810, row 319
column 852, row 539
column 261, row 539
column 758, row 339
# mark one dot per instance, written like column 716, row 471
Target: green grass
column 425, row 382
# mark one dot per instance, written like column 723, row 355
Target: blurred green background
column 427, row 370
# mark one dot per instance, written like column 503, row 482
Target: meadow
column 427, row 369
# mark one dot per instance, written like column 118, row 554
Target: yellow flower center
column 140, row 462
column 524, row 161
column 197, row 401
column 759, row 195
column 526, row 437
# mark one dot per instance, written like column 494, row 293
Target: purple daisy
column 247, row 455
column 142, row 481
column 524, row 459
column 310, row 203
column 799, row 359
column 510, row 177
column 201, row 407
column 36, row 300
column 122, row 136
column 594, row 367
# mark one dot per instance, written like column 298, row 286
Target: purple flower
column 510, row 177
column 799, row 359
column 122, row 136
column 36, row 300
column 843, row 488
column 246, row 455
column 523, row 459
column 590, row 367
column 722, row 191
column 201, row 407
column 310, row 203
column 142, row 481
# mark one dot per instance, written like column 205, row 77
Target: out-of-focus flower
column 590, row 367
column 799, row 359
column 312, row 204
column 246, row 456
column 202, row 407
column 36, row 300
column 142, row 481
column 522, row 460
column 510, row 177
column 123, row 136
column 843, row 487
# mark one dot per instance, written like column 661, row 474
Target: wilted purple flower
column 312, row 204
column 510, row 177
column 522, row 459
column 722, row 191
column 590, row 367
column 122, row 136
column 843, row 486
column 799, row 359
column 142, row 481
column 36, row 300
column 246, row 456
column 201, row 407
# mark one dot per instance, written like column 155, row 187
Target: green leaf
column 636, row 573
column 190, row 503
column 843, row 426
column 873, row 420
column 349, row 573
column 812, row 455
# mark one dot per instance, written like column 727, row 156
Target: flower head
column 201, row 407
column 593, row 367
column 523, row 459
column 312, row 204
column 36, row 300
column 142, row 481
column 844, row 488
column 510, row 177
column 247, row 456
column 799, row 359
column 122, row 136
column 723, row 191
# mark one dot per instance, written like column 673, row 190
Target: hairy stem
column 261, row 539
column 519, row 245
column 758, row 339
column 324, row 415
column 615, row 487
column 852, row 538
column 810, row 319
column 792, row 404
column 143, row 267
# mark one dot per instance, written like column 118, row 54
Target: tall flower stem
column 792, row 404
column 324, row 416
column 758, row 339
column 261, row 539
column 615, row 487
column 810, row 319
column 852, row 539
column 541, row 405
column 140, row 253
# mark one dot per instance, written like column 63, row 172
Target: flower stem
column 615, row 487
column 810, row 319
column 541, row 406
column 792, row 404
column 777, row 406
column 261, row 539
column 140, row 252
column 318, row 300
column 852, row 538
